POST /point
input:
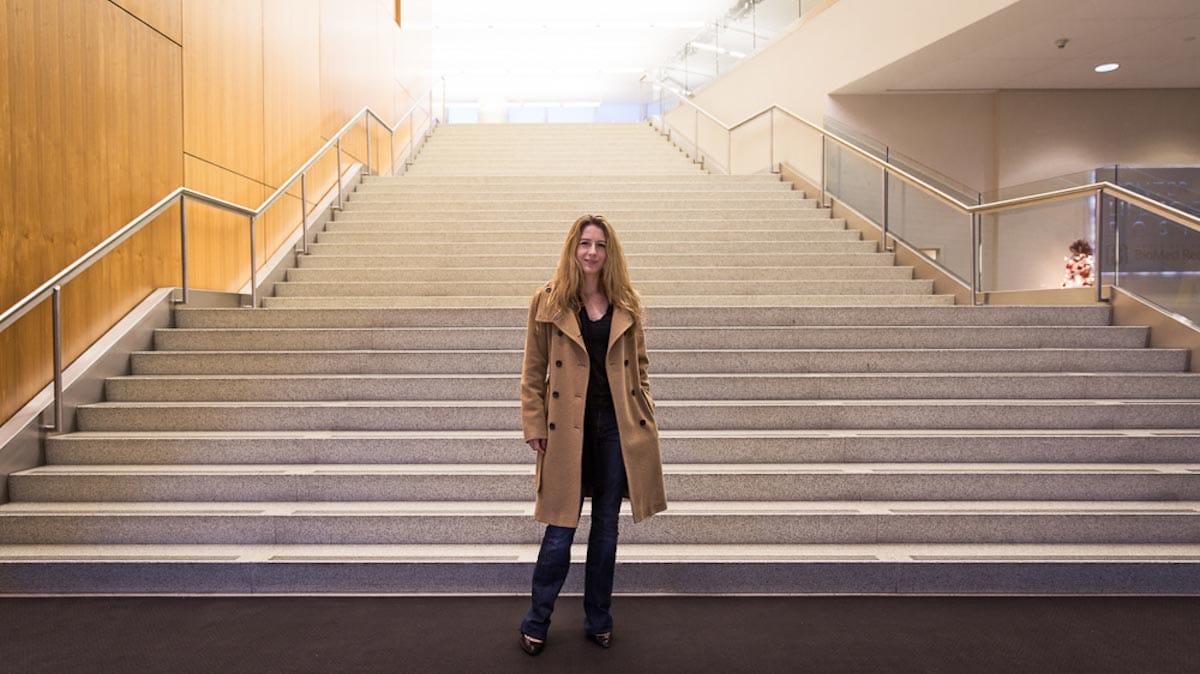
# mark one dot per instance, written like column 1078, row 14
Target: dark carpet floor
column 653, row 634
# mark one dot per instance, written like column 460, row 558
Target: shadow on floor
column 653, row 634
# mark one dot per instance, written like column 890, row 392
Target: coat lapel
column 567, row 323
column 622, row 320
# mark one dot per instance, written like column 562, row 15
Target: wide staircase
column 828, row 423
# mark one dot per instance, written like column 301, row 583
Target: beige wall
column 1043, row 134
column 108, row 105
column 985, row 140
column 823, row 52
column 954, row 134
column 1014, row 138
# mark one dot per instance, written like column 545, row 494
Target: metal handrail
column 53, row 287
column 974, row 211
column 1157, row 207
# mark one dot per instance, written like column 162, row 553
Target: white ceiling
column 561, row 50
column 1157, row 43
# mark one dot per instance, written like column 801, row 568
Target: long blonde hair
column 614, row 275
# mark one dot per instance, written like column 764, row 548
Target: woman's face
column 592, row 250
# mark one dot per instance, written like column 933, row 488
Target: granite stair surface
column 829, row 424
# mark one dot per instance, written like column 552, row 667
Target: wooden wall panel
column 219, row 242
column 347, row 63
column 223, row 84
column 165, row 16
column 292, row 84
column 120, row 101
column 84, row 161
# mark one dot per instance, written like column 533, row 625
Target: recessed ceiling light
column 1106, row 67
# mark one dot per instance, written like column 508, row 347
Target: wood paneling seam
column 143, row 22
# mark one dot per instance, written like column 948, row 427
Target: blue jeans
column 604, row 472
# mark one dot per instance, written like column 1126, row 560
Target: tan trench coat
column 553, row 396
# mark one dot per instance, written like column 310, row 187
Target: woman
column 586, row 410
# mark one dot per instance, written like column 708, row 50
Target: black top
column 595, row 338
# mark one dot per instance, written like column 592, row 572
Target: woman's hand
column 538, row 444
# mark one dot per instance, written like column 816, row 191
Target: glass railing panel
column 720, row 44
column 1177, row 186
column 938, row 230
column 1027, row 248
column 854, row 181
column 1039, row 186
column 1158, row 259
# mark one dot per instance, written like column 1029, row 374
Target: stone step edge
column 321, row 436
column 897, row 352
column 869, row 570
column 525, row 469
column 770, row 510
column 626, row 552
column 672, row 404
column 675, row 375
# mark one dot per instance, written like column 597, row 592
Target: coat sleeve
column 533, row 376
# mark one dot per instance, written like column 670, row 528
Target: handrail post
column 823, row 164
column 304, row 213
column 183, row 251
column 56, row 316
column 411, row 141
column 391, row 152
column 729, row 152
column 771, row 158
column 254, row 264
column 339, row 173
column 1098, row 274
column 367, row 168
column 885, row 210
column 974, row 259
column 696, row 135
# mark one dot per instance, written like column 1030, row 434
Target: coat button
column 633, row 392
column 640, row 423
column 626, row 362
column 552, row 425
column 558, row 363
column 554, row 394
column 547, row 290
column 560, row 333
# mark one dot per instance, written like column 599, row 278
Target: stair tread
column 907, row 402
column 668, row 468
column 525, row 508
column 626, row 552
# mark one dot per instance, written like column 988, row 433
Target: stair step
column 964, row 386
column 678, row 446
column 631, row 230
column 547, row 261
column 568, row 214
column 683, row 187
column 668, row 361
column 1091, row 316
column 535, row 241
column 649, row 289
column 532, row 278
column 868, row 568
column 466, row 301
column 714, row 337
column 631, row 177
column 548, row 249
column 685, row 415
column 688, row 482
column 707, row 522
